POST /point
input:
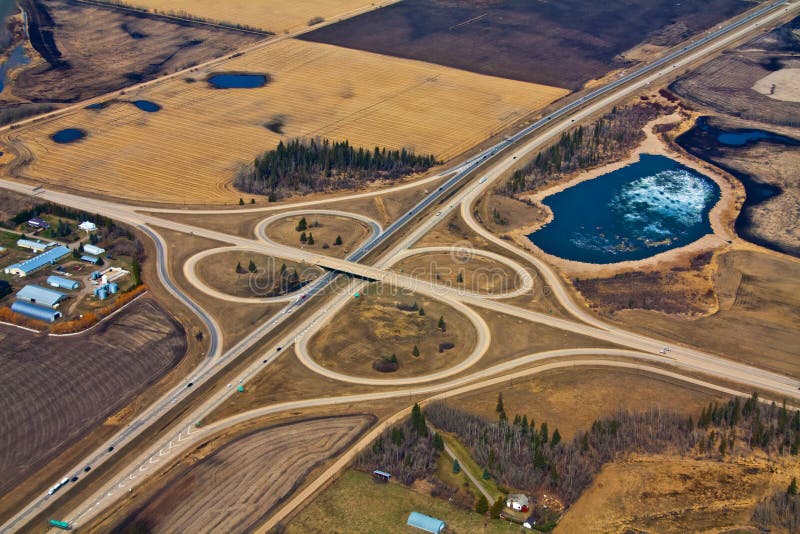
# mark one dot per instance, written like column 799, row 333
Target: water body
column 146, row 105
column 713, row 144
column 633, row 213
column 68, row 135
column 17, row 58
column 238, row 81
column 97, row 105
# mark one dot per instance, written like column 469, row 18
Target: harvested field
column 57, row 389
column 372, row 328
column 461, row 271
column 325, row 229
column 239, row 485
column 674, row 495
column 219, row 272
column 355, row 504
column 563, row 44
column 365, row 98
column 87, row 50
column 571, row 399
column 732, row 84
column 277, row 16
column 759, row 317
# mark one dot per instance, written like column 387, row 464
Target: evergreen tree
column 456, row 467
column 415, row 351
column 136, row 273
column 543, row 433
column 238, row 267
column 499, row 407
column 302, row 225
column 303, row 237
column 438, row 442
column 338, row 241
column 251, row 266
column 556, row 438
column 310, row 238
column 241, row 201
column 283, row 268
column 482, row 505
column 421, row 311
column 460, row 278
column 497, row 508
column 792, row 489
column 442, row 325
column 418, row 421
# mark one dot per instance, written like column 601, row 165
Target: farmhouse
column 88, row 226
column 37, row 312
column 518, row 502
column 36, row 222
column 40, row 295
column 36, row 246
column 425, row 522
column 24, row 268
column 62, row 283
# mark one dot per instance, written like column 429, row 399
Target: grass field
column 56, row 389
column 468, row 272
column 325, row 229
column 356, row 504
column 239, row 484
column 190, row 150
column 373, row 327
column 277, row 16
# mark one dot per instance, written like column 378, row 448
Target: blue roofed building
column 62, row 283
column 36, row 312
column 89, row 259
column 50, row 257
column 40, row 295
column 425, row 522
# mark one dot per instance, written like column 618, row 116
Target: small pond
column 633, row 213
column 68, row 135
column 237, row 81
column 146, row 105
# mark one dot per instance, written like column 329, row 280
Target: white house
column 518, row 502
column 88, row 226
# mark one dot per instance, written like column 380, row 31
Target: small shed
column 93, row 250
column 36, row 222
column 89, row 259
column 383, row 476
column 40, row 295
column 88, row 226
column 425, row 522
column 62, row 283
column 532, row 520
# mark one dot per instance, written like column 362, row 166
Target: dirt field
column 726, row 84
column 89, row 50
column 282, row 16
column 372, row 327
column 219, row 272
column 329, row 227
column 57, row 389
column 571, row 400
column 467, row 272
column 758, row 318
column 675, row 495
column 357, row 504
column 563, row 44
column 320, row 90
column 239, row 484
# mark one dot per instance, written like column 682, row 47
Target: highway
column 644, row 348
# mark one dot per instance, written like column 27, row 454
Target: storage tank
column 113, row 288
column 95, row 275
column 102, row 293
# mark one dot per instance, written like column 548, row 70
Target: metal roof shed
column 93, row 250
column 26, row 267
column 40, row 295
column 62, row 283
column 34, row 311
column 425, row 522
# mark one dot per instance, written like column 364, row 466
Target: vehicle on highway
column 87, row 468
column 74, row 479
column 438, row 213
column 58, row 486
column 482, row 180
column 111, row 449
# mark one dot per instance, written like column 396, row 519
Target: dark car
column 74, row 479
column 111, row 449
column 87, row 468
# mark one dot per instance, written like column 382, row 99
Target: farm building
column 40, row 295
column 518, row 502
column 24, row 268
column 93, row 250
column 425, row 522
column 36, row 312
column 36, row 222
column 36, row 246
column 532, row 520
column 62, row 283
column 383, row 476
column 88, row 226
column 89, row 259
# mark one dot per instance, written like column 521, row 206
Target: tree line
column 303, row 166
column 58, row 211
column 611, row 137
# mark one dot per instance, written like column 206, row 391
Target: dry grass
column 674, row 495
column 189, row 151
column 277, row 16
column 352, row 232
column 478, row 273
column 373, row 327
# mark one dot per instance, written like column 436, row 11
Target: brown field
column 478, row 273
column 103, row 49
column 563, row 43
column 277, row 16
column 373, row 327
column 758, row 319
column 571, row 399
column 674, row 495
column 219, row 272
column 321, row 90
column 352, row 232
column 238, row 485
column 57, row 389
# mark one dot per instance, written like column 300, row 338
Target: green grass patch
column 356, row 504
column 469, row 463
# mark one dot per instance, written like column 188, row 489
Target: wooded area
column 304, row 166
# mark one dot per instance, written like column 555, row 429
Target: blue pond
column 633, row 213
column 238, row 81
column 146, row 105
column 742, row 137
column 68, row 135
column 17, row 58
column 97, row 105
